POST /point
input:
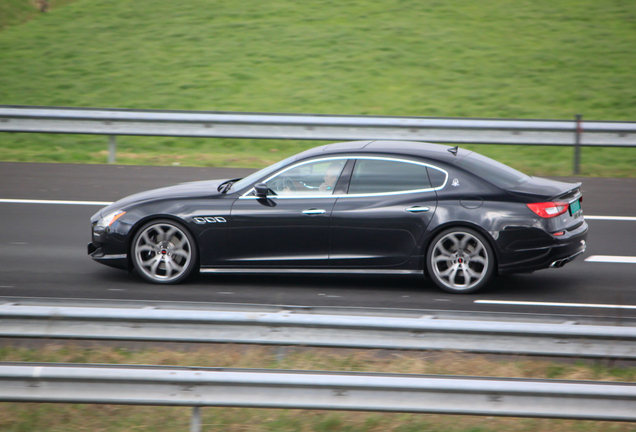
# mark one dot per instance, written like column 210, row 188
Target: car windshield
column 492, row 171
column 247, row 181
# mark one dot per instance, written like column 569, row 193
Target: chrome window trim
column 431, row 189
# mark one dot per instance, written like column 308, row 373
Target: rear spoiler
column 570, row 194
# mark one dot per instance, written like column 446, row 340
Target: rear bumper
column 563, row 261
column 558, row 252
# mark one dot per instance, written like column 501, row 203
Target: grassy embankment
column 500, row 59
column 62, row 418
column 16, row 12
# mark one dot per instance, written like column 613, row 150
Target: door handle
column 417, row 209
column 314, row 211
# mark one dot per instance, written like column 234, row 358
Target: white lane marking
column 27, row 201
column 615, row 218
column 578, row 305
column 611, row 259
column 7, row 286
column 225, row 293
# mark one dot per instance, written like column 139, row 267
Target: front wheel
column 460, row 260
column 163, row 251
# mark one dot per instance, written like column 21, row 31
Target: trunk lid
column 543, row 189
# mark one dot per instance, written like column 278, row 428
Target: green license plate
column 575, row 207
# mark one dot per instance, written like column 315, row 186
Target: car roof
column 403, row 148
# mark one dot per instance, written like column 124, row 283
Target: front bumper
column 119, row 261
column 109, row 245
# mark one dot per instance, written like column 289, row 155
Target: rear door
column 383, row 214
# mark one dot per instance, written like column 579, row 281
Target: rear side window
column 372, row 176
column 438, row 177
column 492, row 171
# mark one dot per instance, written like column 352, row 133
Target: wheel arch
column 143, row 221
column 454, row 224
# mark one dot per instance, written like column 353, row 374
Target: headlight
column 110, row 218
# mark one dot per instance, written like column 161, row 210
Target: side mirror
column 261, row 190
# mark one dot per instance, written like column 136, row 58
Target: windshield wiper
column 226, row 185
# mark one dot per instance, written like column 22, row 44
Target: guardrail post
column 281, row 352
column 195, row 421
column 112, row 148
column 577, row 145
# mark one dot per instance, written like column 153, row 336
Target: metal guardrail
column 427, row 332
column 115, row 122
column 254, row 388
column 351, row 311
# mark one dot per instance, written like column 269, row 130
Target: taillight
column 549, row 209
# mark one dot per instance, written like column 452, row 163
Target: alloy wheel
column 460, row 261
column 163, row 252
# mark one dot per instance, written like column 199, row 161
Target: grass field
column 62, row 418
column 502, row 59
column 16, row 12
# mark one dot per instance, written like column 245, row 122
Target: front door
column 289, row 228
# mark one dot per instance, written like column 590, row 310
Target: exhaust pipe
column 559, row 263
column 563, row 261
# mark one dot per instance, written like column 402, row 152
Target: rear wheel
column 460, row 260
column 164, row 251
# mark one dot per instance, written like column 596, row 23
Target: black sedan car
column 371, row 207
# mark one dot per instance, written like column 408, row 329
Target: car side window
column 371, row 176
column 314, row 179
column 437, row 176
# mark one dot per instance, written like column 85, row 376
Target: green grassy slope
column 521, row 59
column 15, row 12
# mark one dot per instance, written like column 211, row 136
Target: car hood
column 206, row 188
column 543, row 188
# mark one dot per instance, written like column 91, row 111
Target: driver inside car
column 333, row 172
column 326, row 188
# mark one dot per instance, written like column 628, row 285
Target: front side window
column 260, row 174
column 371, row 176
column 310, row 179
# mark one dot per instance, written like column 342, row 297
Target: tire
column 164, row 252
column 460, row 260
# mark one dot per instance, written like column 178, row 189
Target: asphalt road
column 43, row 253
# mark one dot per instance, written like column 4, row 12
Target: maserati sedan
column 366, row 207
